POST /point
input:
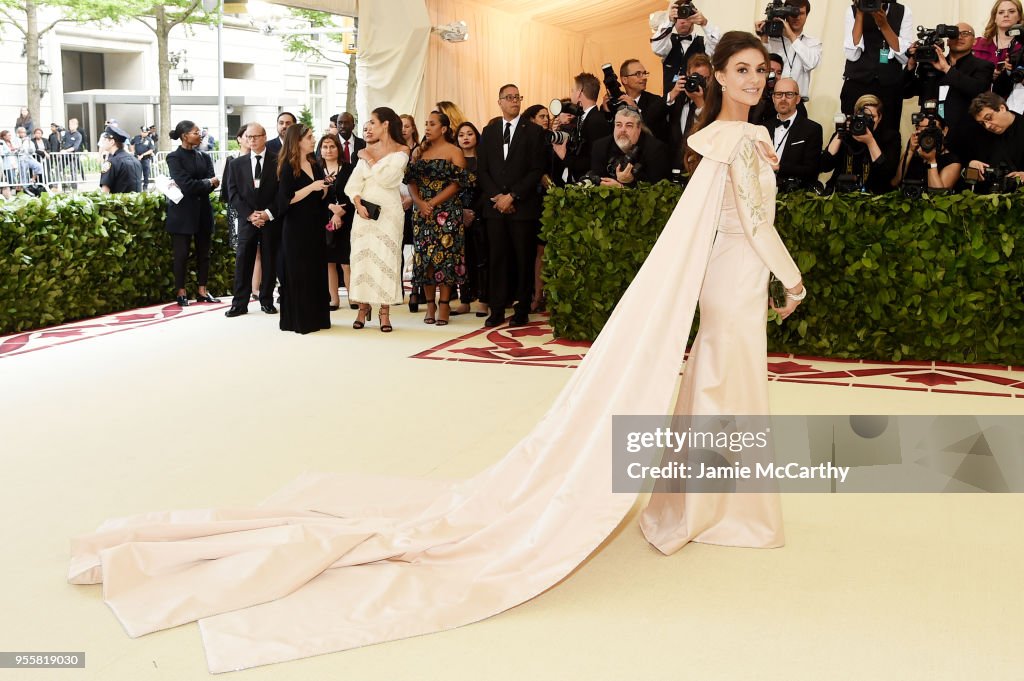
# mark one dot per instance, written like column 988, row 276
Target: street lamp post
column 44, row 77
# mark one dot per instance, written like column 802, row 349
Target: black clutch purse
column 776, row 291
column 372, row 208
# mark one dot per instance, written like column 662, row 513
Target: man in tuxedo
column 630, row 154
column 591, row 123
column 952, row 80
column 350, row 144
column 510, row 162
column 285, row 120
column 683, row 108
column 252, row 191
column 675, row 42
column 797, row 139
column 652, row 108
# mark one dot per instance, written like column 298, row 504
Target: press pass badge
column 883, row 53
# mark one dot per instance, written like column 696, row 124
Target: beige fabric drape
column 392, row 54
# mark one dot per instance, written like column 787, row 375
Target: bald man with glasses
column 797, row 139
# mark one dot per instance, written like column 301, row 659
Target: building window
column 317, row 102
column 239, row 71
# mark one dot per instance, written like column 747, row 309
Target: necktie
column 346, row 158
column 259, row 168
column 507, row 137
column 785, row 124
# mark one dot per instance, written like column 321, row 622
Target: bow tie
column 785, row 124
column 685, row 37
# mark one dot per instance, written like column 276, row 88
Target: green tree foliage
column 304, row 47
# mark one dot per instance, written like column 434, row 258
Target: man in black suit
column 676, row 43
column 797, row 139
column 952, row 80
column 350, row 144
column 652, row 108
column 684, row 106
column 252, row 191
column 510, row 162
column 591, row 123
column 285, row 120
column 630, row 154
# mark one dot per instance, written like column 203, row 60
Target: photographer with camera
column 590, row 125
column 630, row 154
column 998, row 149
column 927, row 163
column 797, row 139
column 675, row 42
column 875, row 55
column 764, row 112
column 952, row 79
column 863, row 152
column 630, row 89
column 782, row 31
column 685, row 102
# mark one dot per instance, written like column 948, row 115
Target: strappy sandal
column 443, row 322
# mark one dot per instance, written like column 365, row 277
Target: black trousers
column 891, row 97
column 249, row 240
column 511, row 253
column 181, row 243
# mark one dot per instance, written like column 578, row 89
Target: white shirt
column 798, row 59
column 663, row 46
column 906, row 34
column 781, row 133
column 512, row 125
column 255, row 177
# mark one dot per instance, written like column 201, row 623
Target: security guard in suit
column 144, row 148
column 122, row 172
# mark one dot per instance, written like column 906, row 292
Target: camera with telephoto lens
column 930, row 38
column 611, row 83
column 869, row 6
column 789, row 184
column 774, row 14
column 685, row 10
column 912, row 188
column 854, row 126
column 928, row 138
column 695, row 83
column 590, row 179
column 998, row 179
column 569, row 134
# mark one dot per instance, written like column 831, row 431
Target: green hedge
column 67, row 257
column 888, row 277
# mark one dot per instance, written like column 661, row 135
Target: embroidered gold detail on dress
column 748, row 189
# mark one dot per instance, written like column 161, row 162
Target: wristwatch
column 797, row 296
column 934, row 166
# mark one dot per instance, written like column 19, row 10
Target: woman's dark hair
column 180, row 129
column 448, row 135
column 472, row 127
column 337, row 145
column 532, row 111
column 291, row 150
column 241, row 131
column 387, row 115
column 731, row 43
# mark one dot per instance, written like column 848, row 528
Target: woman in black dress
column 192, row 217
column 339, row 239
column 475, row 285
column 302, row 201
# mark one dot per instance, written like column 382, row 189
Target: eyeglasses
column 638, row 74
column 512, row 98
column 254, row 137
column 785, row 95
column 966, row 34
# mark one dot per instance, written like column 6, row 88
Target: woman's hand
column 791, row 304
column 214, row 182
column 425, row 209
column 468, row 216
column 337, row 209
column 360, row 209
column 317, row 186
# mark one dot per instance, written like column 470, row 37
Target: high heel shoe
column 385, row 313
column 431, row 312
column 360, row 323
column 182, row 301
column 443, row 322
column 414, row 302
column 206, row 298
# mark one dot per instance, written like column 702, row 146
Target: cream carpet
column 205, row 411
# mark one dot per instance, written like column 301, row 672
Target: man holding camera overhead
column 801, row 53
column 633, row 79
column 875, row 55
column 675, row 42
column 952, row 79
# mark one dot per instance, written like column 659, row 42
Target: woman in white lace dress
column 377, row 243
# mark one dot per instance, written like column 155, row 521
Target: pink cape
column 336, row 561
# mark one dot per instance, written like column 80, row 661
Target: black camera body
column 614, row 87
column 569, row 133
column 695, row 83
column 930, row 138
column 685, row 10
column 774, row 14
column 999, row 180
column 789, row 184
column 929, row 38
column 869, row 6
column 912, row 188
column 860, row 123
column 622, row 160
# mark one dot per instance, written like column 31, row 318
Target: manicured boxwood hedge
column 889, row 278
column 67, row 257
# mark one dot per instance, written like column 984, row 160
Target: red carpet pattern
column 535, row 345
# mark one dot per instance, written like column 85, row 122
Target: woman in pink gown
column 337, row 561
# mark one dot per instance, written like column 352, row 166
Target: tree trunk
column 164, row 125
column 32, row 63
column 350, row 95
